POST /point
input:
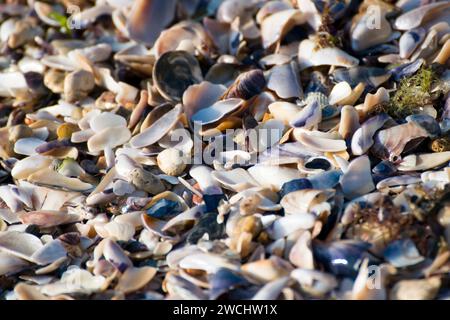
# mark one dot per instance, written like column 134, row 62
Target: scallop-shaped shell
column 174, row 72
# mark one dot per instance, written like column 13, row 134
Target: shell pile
column 224, row 149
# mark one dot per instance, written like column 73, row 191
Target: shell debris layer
column 168, row 149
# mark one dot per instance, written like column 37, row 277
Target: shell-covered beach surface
column 224, row 149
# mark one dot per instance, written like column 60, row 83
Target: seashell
column 310, row 56
column 237, row 179
column 199, row 96
column 301, row 254
column 224, row 280
column 288, row 224
column 273, row 176
column 247, row 85
column 302, row 201
column 363, row 35
column 421, row 289
column 47, row 218
column 114, row 254
column 203, row 175
column 363, row 137
column 283, row 111
column 362, row 291
column 172, row 85
column 184, row 32
column 317, row 143
column 428, row 46
column 267, row 270
column 275, row 26
column 28, row 292
column 271, row 290
column 314, row 282
column 134, row 279
column 341, row 257
column 149, row 15
column 105, row 120
column 217, row 111
column 414, row 18
column 369, row 76
column 180, row 287
column 373, row 100
column 49, row 253
column 20, row 244
column 444, row 53
column 12, row 84
column 423, row 161
column 269, row 8
column 75, row 280
column 46, row 176
column 266, row 135
column 284, row 81
column 58, row 149
column 309, row 117
column 157, row 130
column 406, row 69
column 357, row 180
column 397, row 181
column 390, row 143
column 409, row 41
column 43, row 11
column 349, row 122
column 208, row 262
column 402, row 253
column 10, row 264
column 340, row 92
column 27, row 146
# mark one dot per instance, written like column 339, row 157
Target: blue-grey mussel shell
column 207, row 224
column 371, row 76
column 341, row 258
column 223, row 281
